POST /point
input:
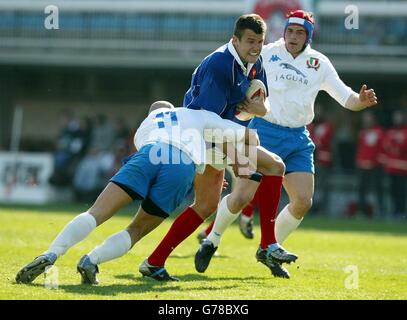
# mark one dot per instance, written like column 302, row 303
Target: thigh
column 269, row 163
column 142, row 224
column 109, row 202
column 208, row 189
column 299, row 185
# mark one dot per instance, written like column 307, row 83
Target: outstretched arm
column 366, row 98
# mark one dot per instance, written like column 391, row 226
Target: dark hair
column 252, row 22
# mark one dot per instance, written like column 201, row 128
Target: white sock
column 113, row 247
column 224, row 218
column 245, row 219
column 76, row 230
column 286, row 223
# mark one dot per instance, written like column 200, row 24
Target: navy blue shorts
column 166, row 184
column 293, row 145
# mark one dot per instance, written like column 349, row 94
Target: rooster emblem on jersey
column 253, row 73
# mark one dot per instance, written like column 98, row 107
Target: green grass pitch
column 338, row 259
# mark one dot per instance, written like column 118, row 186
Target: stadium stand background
column 115, row 58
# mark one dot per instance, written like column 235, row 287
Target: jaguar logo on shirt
column 300, row 77
column 291, row 67
column 313, row 63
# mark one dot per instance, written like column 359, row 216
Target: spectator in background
column 91, row 175
column 395, row 162
column 71, row 146
column 123, row 136
column 96, row 167
column 121, row 151
column 367, row 163
column 103, row 134
column 345, row 136
column 321, row 132
column 100, row 164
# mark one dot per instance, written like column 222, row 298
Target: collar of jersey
column 234, row 53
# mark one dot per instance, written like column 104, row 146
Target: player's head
column 248, row 37
column 298, row 31
column 160, row 104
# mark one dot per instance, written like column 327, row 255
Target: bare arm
column 366, row 98
column 251, row 137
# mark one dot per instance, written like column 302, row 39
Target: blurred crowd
column 88, row 152
column 380, row 164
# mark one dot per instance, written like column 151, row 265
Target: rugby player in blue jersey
column 219, row 84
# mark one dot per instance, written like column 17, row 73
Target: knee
column 303, row 204
column 276, row 167
column 279, row 167
column 239, row 201
column 205, row 208
column 97, row 215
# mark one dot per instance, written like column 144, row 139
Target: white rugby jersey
column 188, row 130
column 294, row 84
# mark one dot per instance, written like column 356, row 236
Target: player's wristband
column 256, row 176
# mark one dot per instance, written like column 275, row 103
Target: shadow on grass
column 180, row 256
column 128, row 276
column 143, row 285
column 115, row 289
column 184, row 278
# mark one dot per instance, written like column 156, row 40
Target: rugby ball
column 255, row 90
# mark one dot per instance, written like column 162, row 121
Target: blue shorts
column 164, row 184
column 293, row 145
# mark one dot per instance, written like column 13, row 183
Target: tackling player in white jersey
column 295, row 74
column 171, row 149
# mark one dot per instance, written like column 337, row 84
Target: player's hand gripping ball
column 254, row 92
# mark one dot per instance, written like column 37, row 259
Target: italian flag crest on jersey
column 313, row 63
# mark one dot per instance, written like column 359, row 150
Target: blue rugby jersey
column 220, row 82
